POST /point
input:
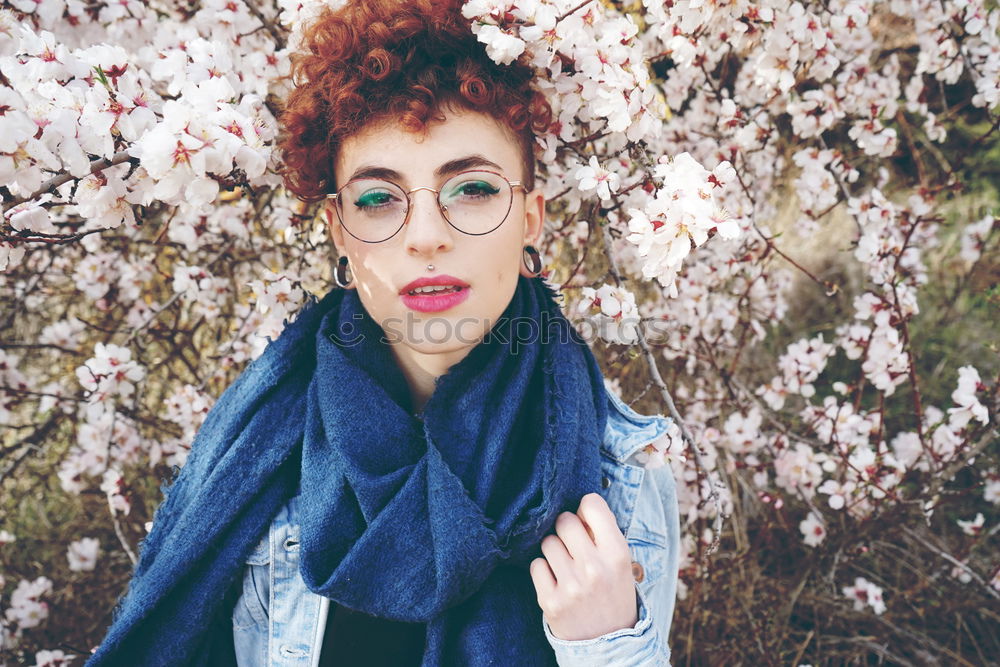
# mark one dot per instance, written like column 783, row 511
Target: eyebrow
column 449, row 167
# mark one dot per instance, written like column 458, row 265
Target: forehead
column 416, row 155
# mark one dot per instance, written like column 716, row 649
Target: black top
column 355, row 638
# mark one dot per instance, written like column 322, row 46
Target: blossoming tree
column 148, row 251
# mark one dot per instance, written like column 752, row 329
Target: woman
column 424, row 468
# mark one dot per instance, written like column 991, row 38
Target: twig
column 713, row 494
column 31, row 444
column 574, row 10
column 990, row 436
column 156, row 313
column 56, row 181
column 121, row 537
column 267, row 24
column 954, row 561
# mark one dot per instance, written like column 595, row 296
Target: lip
column 424, row 281
column 432, row 303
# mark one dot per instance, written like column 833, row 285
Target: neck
column 422, row 370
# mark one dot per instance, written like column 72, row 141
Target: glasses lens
column 476, row 202
column 371, row 209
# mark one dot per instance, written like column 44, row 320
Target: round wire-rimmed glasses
column 475, row 202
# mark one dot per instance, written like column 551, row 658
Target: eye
column 475, row 189
column 373, row 199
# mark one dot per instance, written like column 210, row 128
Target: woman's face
column 489, row 264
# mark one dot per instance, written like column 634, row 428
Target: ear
column 534, row 217
column 336, row 232
column 333, row 227
column 534, row 223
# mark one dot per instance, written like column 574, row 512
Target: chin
column 439, row 348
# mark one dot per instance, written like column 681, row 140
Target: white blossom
column 973, row 527
column 26, row 608
column 864, row 593
column 594, row 176
column 110, row 373
column 965, row 398
column 618, row 320
column 82, row 554
column 503, row 48
column 55, row 658
column 813, row 531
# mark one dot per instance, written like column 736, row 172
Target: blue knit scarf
column 433, row 522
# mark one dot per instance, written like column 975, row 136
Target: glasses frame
column 441, row 207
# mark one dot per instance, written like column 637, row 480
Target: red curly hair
column 372, row 61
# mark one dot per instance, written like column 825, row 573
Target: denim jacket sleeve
column 646, row 643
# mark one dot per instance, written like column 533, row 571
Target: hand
column 584, row 583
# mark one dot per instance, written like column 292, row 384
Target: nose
column 427, row 231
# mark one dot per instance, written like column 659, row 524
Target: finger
column 543, row 579
column 558, row 557
column 596, row 514
column 575, row 534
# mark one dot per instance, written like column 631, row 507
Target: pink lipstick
column 431, row 294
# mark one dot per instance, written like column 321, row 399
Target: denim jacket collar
column 628, row 431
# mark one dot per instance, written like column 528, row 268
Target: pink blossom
column 813, row 531
column 864, row 593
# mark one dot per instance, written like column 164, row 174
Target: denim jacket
column 278, row 621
